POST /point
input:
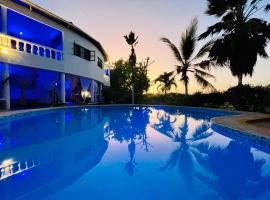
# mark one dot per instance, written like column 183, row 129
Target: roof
column 41, row 11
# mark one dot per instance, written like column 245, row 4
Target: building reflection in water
column 62, row 149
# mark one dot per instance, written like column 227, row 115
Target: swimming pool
column 129, row 153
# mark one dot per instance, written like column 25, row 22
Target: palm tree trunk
column 186, row 88
column 240, row 79
column 132, row 89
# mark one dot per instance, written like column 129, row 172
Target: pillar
column 4, row 19
column 100, row 92
column 63, row 88
column 92, row 91
column 6, row 86
column 5, row 72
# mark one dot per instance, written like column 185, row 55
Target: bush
column 248, row 98
column 245, row 98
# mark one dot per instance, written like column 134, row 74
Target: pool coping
column 237, row 122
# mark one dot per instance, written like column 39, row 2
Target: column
column 5, row 72
column 92, row 91
column 4, row 19
column 100, row 92
column 63, row 88
column 6, row 86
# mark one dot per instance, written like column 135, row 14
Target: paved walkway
column 252, row 123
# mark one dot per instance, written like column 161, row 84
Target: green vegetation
column 188, row 63
column 121, row 82
column 246, row 98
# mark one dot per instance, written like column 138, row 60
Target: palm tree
column 189, row 63
column 166, row 82
column 241, row 38
column 132, row 40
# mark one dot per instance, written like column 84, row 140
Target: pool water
column 128, row 153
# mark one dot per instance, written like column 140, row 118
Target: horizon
column 149, row 20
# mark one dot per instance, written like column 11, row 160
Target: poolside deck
column 257, row 124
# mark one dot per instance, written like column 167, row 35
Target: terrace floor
column 257, row 124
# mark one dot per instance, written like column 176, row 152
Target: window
column 84, row 53
column 77, row 50
column 92, row 55
column 100, row 63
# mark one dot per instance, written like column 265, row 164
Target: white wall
column 70, row 65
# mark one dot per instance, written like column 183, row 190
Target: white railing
column 30, row 47
column 16, row 167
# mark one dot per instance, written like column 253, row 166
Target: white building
column 45, row 59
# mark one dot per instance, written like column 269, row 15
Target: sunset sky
column 109, row 20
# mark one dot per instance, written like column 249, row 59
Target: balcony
column 12, row 43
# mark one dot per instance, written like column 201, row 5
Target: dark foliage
column 121, row 83
column 245, row 98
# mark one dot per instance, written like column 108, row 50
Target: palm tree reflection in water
column 130, row 126
column 185, row 155
column 232, row 171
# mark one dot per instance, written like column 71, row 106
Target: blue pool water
column 128, row 153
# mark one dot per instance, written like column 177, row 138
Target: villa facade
column 45, row 59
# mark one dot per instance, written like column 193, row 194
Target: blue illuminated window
column 59, row 56
column 31, row 30
column 107, row 72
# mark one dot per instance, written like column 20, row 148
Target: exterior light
column 4, row 51
column 85, row 94
column 21, row 33
column 7, row 162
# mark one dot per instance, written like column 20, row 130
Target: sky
column 109, row 20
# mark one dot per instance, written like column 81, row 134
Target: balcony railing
column 10, row 168
column 30, row 48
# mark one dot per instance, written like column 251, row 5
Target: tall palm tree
column 189, row 63
column 241, row 37
column 166, row 81
column 132, row 40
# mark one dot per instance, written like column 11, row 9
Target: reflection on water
column 127, row 153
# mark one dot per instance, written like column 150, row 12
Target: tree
column 188, row 63
column 166, row 81
column 132, row 40
column 121, row 81
column 241, row 37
